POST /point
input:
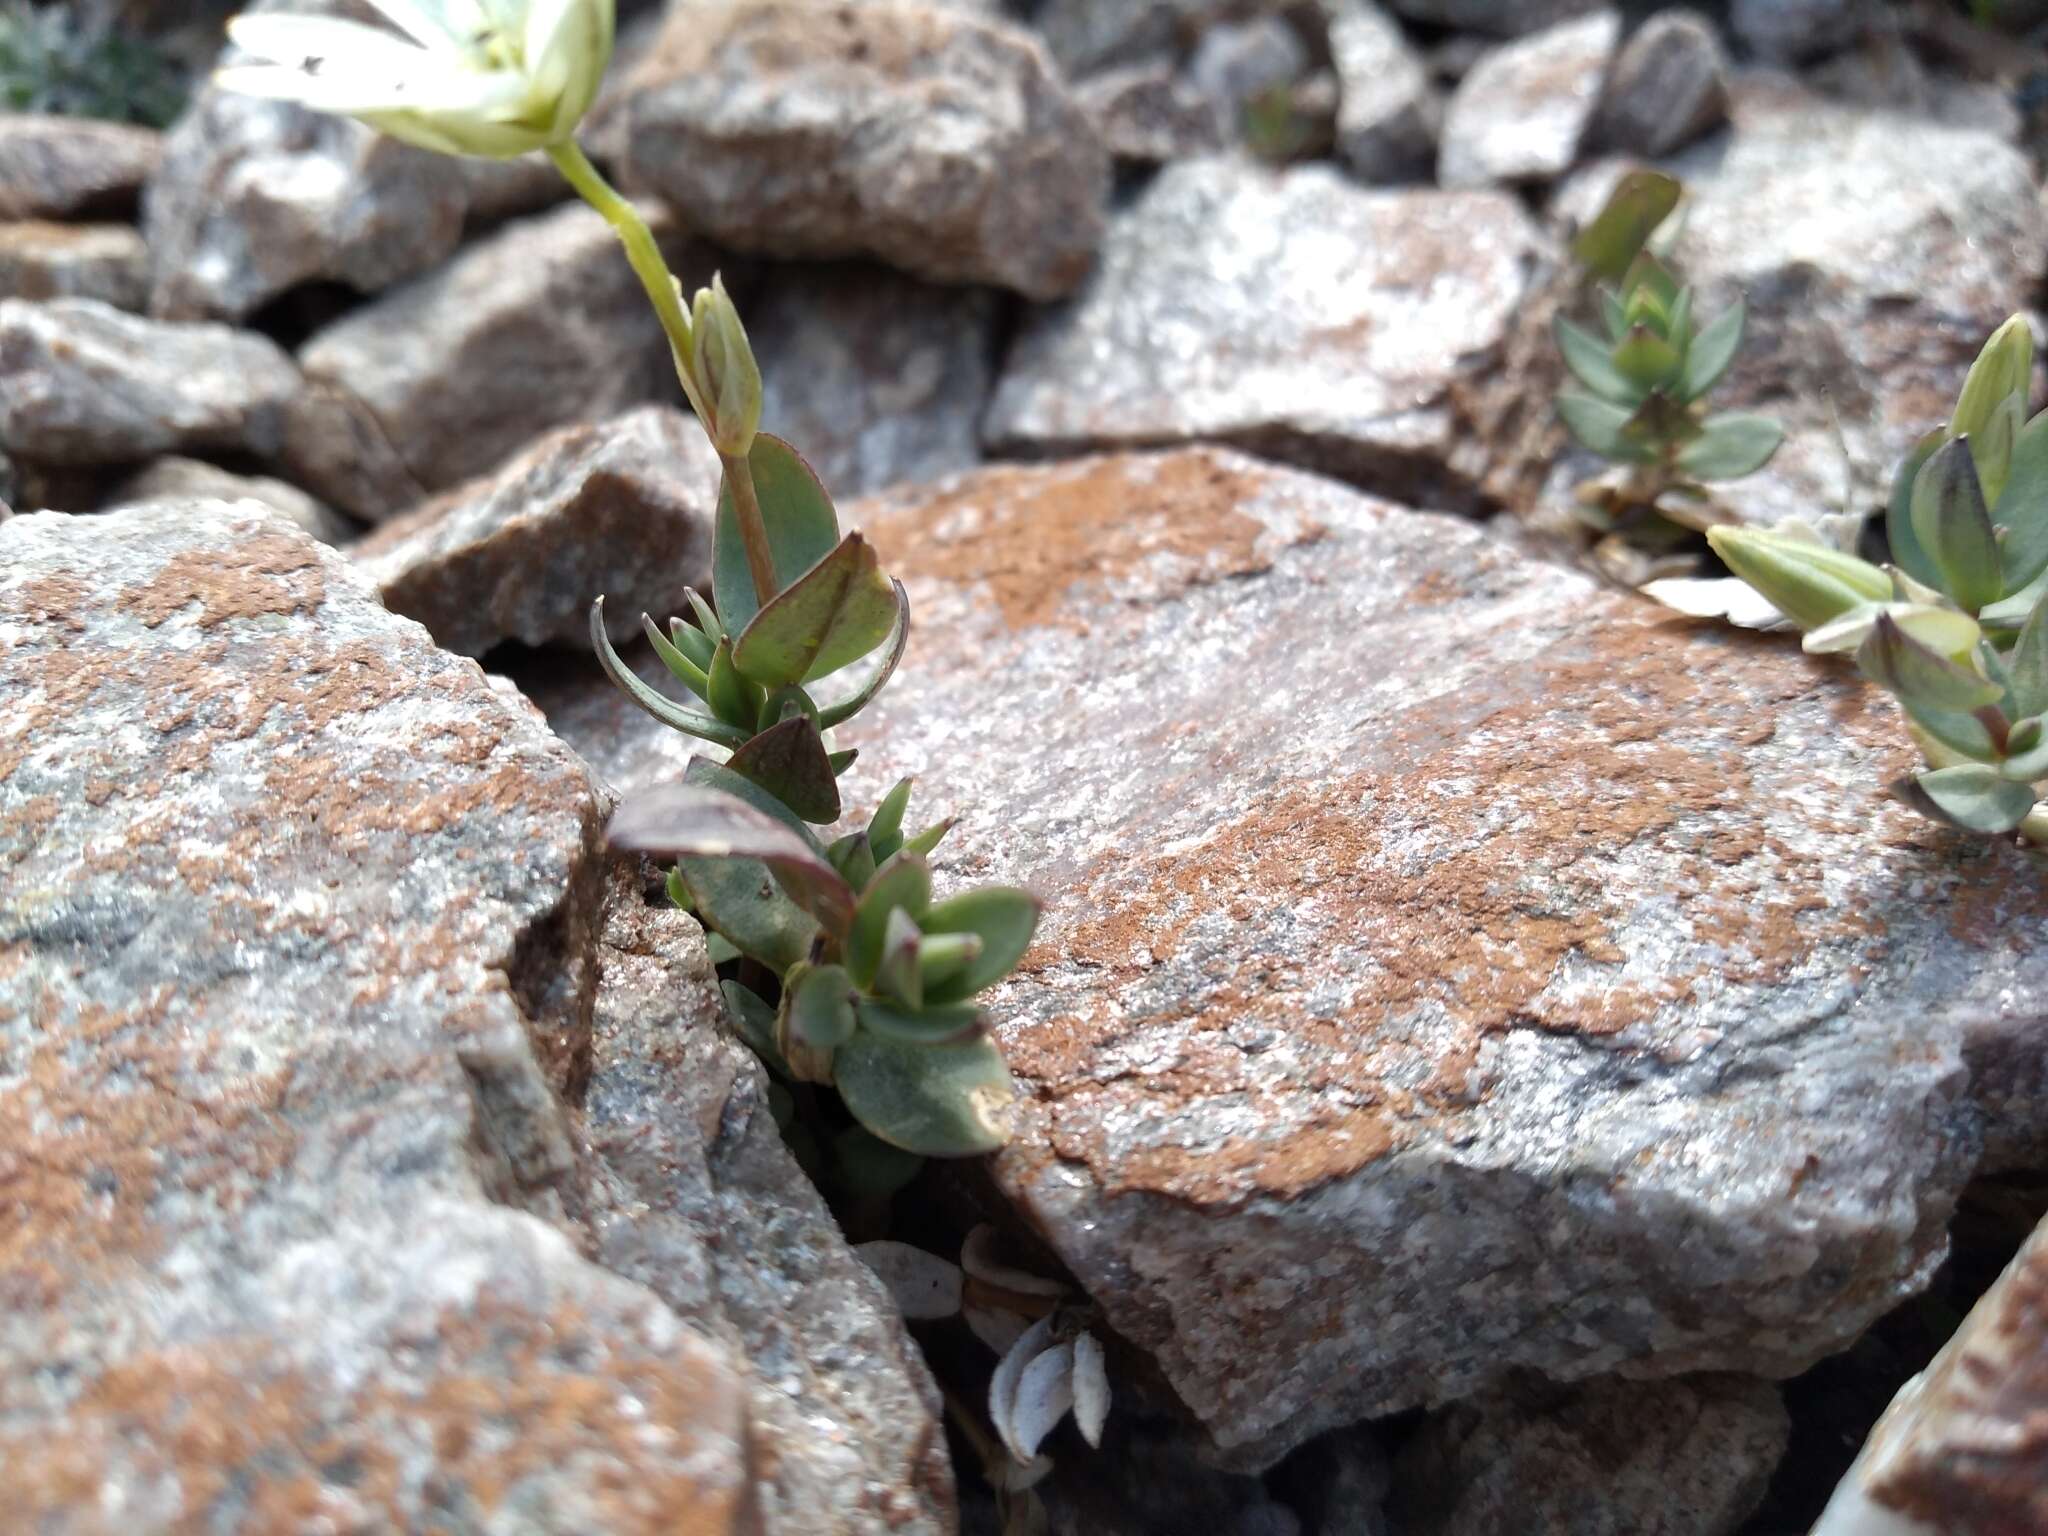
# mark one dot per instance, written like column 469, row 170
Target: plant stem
column 746, row 505
column 641, row 252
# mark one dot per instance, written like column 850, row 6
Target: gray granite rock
column 294, row 978
column 938, row 142
column 1087, row 36
column 540, row 325
column 1876, row 252
column 1237, row 63
column 702, row 1202
column 1388, row 112
column 1963, row 1449
column 43, row 260
column 1293, row 313
column 625, row 749
column 1497, row 18
column 1449, row 968
column 1690, row 1457
column 876, row 378
column 255, row 197
column 84, row 383
column 69, row 168
column 1146, row 114
column 178, row 479
column 1523, row 110
column 1789, row 31
column 620, row 509
column 1668, row 86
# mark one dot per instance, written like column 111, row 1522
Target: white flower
column 470, row 77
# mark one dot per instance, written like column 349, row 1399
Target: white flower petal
column 1091, row 1389
column 997, row 1327
column 425, row 21
column 1044, row 1394
column 544, row 20
column 1727, row 597
column 977, row 1257
column 923, row 1284
column 323, row 45
column 1002, row 1387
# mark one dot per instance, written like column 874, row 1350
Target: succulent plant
column 876, row 977
column 1956, row 628
column 1644, row 374
column 52, row 61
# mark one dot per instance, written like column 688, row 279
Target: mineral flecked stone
column 68, row 167
column 84, row 383
column 44, row 260
column 1293, row 313
column 1522, row 112
column 935, row 141
column 620, row 509
column 351, row 1179
column 1449, row 967
column 538, row 326
column 1963, row 1449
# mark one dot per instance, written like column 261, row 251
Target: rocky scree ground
column 1493, row 1056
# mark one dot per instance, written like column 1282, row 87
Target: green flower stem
column 739, row 474
column 641, row 251
column 663, row 293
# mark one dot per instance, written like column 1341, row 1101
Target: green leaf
column 1958, row 732
column 679, row 893
column 1809, row 582
column 841, row 761
column 2004, row 367
column 731, row 697
column 938, row 1100
column 920, row 1026
column 897, row 974
column 925, row 841
column 2027, row 666
column 1707, row 359
column 754, row 1022
column 789, row 761
column 818, row 1003
column 885, row 830
column 904, row 881
column 1646, row 274
column 1002, row 917
column 854, row 857
column 1954, row 529
column 1600, row 426
column 1646, row 359
column 802, row 529
column 1679, row 331
column 746, row 902
column 868, row 1167
column 693, row 823
column 707, row 623
column 693, row 643
column 1588, row 359
column 1991, row 448
column 2022, row 508
column 831, row 616
column 2026, row 752
column 1731, row 446
column 669, row 713
column 686, row 671
column 1898, row 517
column 1969, row 796
column 1640, row 201
column 1613, row 314
column 944, row 957
column 1919, row 676
column 830, row 715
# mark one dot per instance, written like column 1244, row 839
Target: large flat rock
column 309, row 1222
column 1294, row 313
column 1450, row 968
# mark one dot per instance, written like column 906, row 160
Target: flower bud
column 1809, row 582
column 2005, row 367
column 728, row 378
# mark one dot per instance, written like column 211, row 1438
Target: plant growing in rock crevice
column 851, row 971
column 1643, row 378
column 1956, row 628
